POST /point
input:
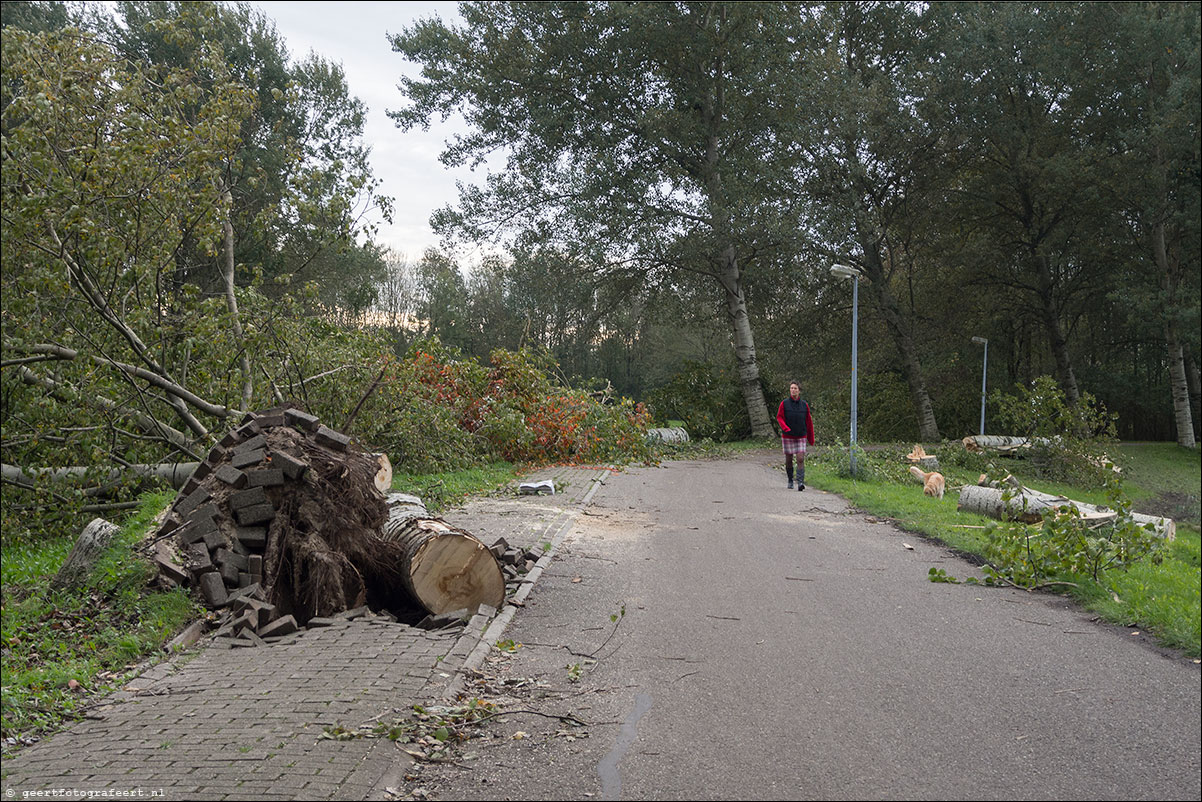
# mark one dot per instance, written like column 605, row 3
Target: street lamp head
column 845, row 271
column 980, row 340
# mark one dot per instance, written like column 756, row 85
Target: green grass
column 92, row 634
column 440, row 491
column 1160, row 598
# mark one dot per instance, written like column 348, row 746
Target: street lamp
column 984, row 370
column 844, row 271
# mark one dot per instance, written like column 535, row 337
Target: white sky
column 354, row 34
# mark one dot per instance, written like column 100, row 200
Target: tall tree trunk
column 886, row 304
column 231, row 300
column 1051, row 322
column 1177, row 376
column 1180, row 388
column 1195, row 388
column 747, row 366
column 712, row 113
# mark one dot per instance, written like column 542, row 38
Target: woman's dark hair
column 793, row 382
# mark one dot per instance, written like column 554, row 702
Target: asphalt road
column 776, row 646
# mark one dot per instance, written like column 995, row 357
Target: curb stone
column 482, row 634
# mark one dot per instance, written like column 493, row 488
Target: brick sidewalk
column 225, row 722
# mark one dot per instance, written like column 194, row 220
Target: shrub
column 1068, row 441
column 436, row 410
column 1066, row 546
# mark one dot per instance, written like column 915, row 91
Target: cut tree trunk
column 674, row 434
column 1003, row 444
column 1028, row 505
column 87, row 550
column 443, row 568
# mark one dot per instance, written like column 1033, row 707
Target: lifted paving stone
column 221, row 722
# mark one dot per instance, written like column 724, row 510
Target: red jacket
column 793, row 417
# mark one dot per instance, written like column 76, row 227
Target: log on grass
column 1028, row 506
column 443, row 568
column 91, row 543
column 1008, row 446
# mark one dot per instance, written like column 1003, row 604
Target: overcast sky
column 354, row 34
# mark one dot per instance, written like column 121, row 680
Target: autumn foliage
column 434, row 409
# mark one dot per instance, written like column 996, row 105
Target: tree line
column 184, row 204
column 1027, row 173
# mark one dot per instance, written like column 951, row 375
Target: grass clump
column 440, row 491
column 62, row 649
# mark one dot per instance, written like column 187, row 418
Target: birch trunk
column 747, row 367
column 1028, row 505
column 231, row 300
column 1195, row 389
column 1178, row 380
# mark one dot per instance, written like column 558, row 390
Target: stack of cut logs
column 285, row 522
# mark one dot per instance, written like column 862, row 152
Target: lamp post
column 984, row 373
column 844, row 271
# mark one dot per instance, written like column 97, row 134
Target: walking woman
column 796, row 433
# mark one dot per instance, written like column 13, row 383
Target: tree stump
column 87, row 550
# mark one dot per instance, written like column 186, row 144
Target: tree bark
column 174, row 473
column 1028, row 505
column 1179, row 383
column 1195, row 389
column 87, row 550
column 1181, row 401
column 748, row 369
column 886, row 304
column 713, row 113
column 231, row 301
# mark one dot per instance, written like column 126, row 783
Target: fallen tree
column 1014, row 502
column 444, row 568
column 286, row 521
column 1002, row 444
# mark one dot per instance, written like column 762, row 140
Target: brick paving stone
column 216, row 722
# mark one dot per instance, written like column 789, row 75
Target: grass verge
column 63, row 649
column 440, row 491
column 1159, row 598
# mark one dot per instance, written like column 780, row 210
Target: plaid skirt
column 794, row 445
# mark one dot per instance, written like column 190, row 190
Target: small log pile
column 282, row 526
